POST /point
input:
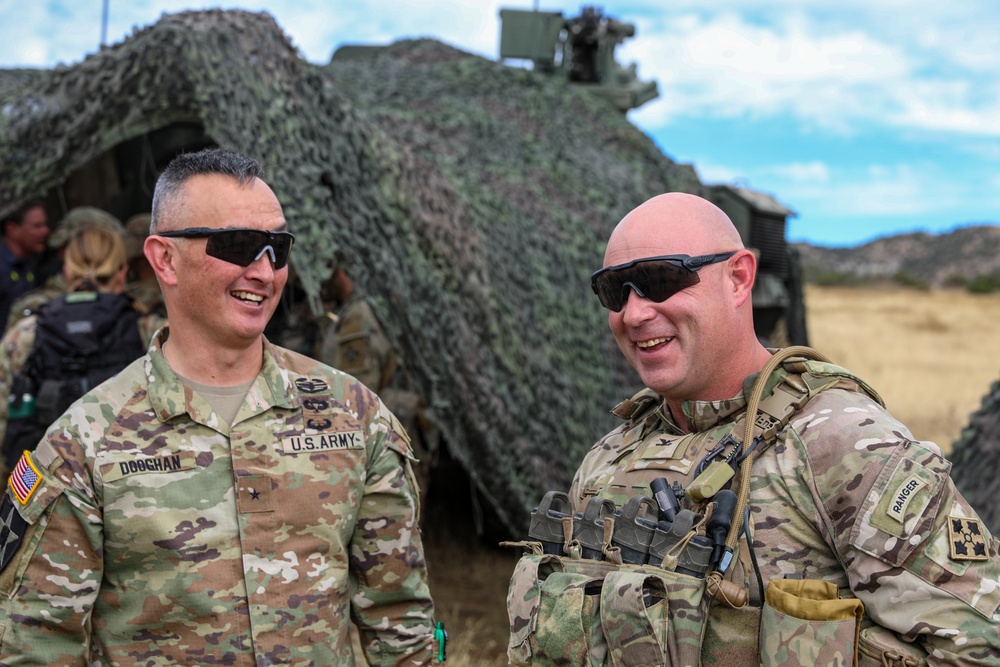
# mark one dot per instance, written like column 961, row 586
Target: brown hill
column 929, row 259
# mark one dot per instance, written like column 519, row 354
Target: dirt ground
column 469, row 573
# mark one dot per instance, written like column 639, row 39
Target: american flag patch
column 25, row 479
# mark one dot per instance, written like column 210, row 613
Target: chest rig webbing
column 653, row 447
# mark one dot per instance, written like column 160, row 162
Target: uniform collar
column 703, row 415
column 170, row 398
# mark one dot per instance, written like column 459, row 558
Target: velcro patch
column 968, row 539
column 24, row 479
column 902, row 496
column 253, row 494
column 305, row 444
column 135, row 466
column 13, row 528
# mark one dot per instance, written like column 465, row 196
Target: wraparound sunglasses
column 240, row 246
column 654, row 278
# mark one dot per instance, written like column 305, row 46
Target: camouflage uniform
column 354, row 342
column 147, row 294
column 158, row 535
column 144, row 291
column 824, row 503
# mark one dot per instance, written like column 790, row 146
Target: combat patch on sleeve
column 13, row 528
column 24, row 479
column 967, row 539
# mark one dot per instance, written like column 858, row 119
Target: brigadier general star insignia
column 12, row 530
column 968, row 539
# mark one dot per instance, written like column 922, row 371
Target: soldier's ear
column 742, row 271
column 162, row 255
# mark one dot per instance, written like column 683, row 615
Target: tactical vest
column 646, row 615
column 81, row 340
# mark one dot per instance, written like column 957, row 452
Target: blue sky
column 867, row 117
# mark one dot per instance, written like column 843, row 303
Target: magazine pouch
column 589, row 613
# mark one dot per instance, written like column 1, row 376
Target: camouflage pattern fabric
column 356, row 343
column 35, row 299
column 805, row 617
column 844, row 495
column 160, row 536
column 147, row 294
column 566, row 611
column 15, row 346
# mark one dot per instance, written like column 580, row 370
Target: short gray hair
column 205, row 162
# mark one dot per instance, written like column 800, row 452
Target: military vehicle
column 779, row 313
column 472, row 200
column 581, row 49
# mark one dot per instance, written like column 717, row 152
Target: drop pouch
column 805, row 623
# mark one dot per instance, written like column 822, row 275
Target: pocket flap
column 898, row 513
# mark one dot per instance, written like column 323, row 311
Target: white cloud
column 801, row 172
column 913, row 66
column 878, row 191
column 717, row 173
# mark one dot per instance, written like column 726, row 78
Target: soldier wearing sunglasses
column 222, row 500
column 840, row 492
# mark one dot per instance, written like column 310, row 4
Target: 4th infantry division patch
column 968, row 539
column 24, row 479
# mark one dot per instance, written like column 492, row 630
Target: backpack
column 81, row 340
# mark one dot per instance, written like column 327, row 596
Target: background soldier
column 352, row 339
column 142, row 285
column 75, row 220
column 73, row 343
column 24, row 233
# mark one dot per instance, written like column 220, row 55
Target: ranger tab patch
column 968, row 539
column 904, row 494
column 24, row 479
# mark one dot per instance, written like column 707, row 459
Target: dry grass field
column 931, row 355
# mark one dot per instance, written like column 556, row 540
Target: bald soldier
column 221, row 500
column 845, row 505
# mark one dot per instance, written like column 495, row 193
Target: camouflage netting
column 472, row 201
column 972, row 457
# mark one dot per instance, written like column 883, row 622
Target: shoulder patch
column 13, row 528
column 24, row 479
column 967, row 539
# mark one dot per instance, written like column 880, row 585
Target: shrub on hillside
column 907, row 279
column 833, row 279
column 985, row 284
column 956, row 280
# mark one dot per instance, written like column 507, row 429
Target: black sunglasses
column 240, row 246
column 654, row 278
